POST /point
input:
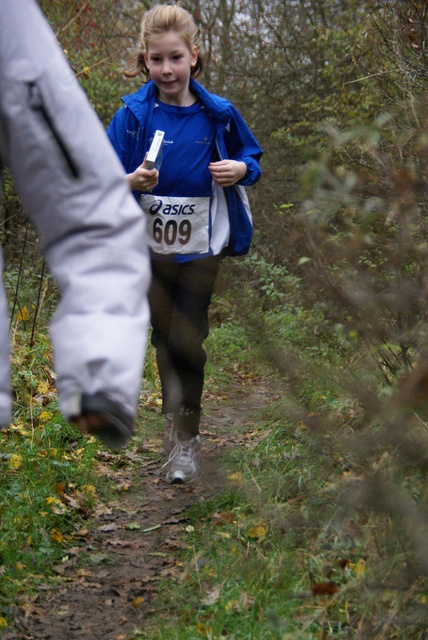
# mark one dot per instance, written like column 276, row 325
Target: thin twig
column 15, row 299
column 373, row 75
column 37, row 304
column 73, row 19
column 96, row 64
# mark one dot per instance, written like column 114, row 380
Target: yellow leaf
column 204, row 630
column 57, row 537
column 19, row 566
column 137, row 602
column 18, row 427
column 229, row 605
column 45, row 416
column 258, row 531
column 223, row 534
column 43, row 387
column 23, row 315
column 15, row 461
column 359, row 569
column 236, row 479
column 57, row 506
column 3, row 623
column 89, row 490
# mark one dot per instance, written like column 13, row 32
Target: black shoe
column 106, row 420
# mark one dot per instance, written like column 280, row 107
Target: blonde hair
column 156, row 22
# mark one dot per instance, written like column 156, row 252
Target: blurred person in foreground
column 74, row 189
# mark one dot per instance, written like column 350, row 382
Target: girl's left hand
column 226, row 173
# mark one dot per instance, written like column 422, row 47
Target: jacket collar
column 141, row 99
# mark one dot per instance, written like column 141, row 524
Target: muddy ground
column 109, row 582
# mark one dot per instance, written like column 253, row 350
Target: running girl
column 195, row 205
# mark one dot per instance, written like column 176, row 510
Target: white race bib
column 177, row 225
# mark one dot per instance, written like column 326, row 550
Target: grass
column 285, row 553
column 282, row 553
column 252, row 563
column 48, row 483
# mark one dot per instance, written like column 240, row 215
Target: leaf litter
column 109, row 585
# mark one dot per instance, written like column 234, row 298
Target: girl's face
column 169, row 62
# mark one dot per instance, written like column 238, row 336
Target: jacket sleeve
column 92, row 232
column 242, row 145
column 116, row 133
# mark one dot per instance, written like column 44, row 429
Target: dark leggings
column 179, row 297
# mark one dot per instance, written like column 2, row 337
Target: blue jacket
column 131, row 127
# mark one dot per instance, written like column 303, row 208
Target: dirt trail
column 109, row 584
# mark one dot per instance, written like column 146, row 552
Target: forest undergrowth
column 320, row 530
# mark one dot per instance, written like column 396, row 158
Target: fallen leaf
column 15, row 462
column 132, row 526
column 60, row 488
column 204, row 630
column 359, row 568
column 212, row 596
column 57, row 537
column 42, row 387
column 228, row 517
column 324, row 589
column 98, row 558
column 102, row 510
column 245, row 601
column 258, row 532
column 72, row 502
column 56, row 505
column 138, row 601
column 89, row 490
column 83, row 573
column 236, row 479
column 108, row 527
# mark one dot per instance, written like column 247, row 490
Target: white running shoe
column 184, row 461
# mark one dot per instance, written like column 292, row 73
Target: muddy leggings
column 179, row 297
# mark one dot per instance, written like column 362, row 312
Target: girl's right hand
column 143, row 179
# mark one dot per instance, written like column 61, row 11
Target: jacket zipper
column 38, row 105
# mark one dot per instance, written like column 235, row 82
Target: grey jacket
column 74, row 189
